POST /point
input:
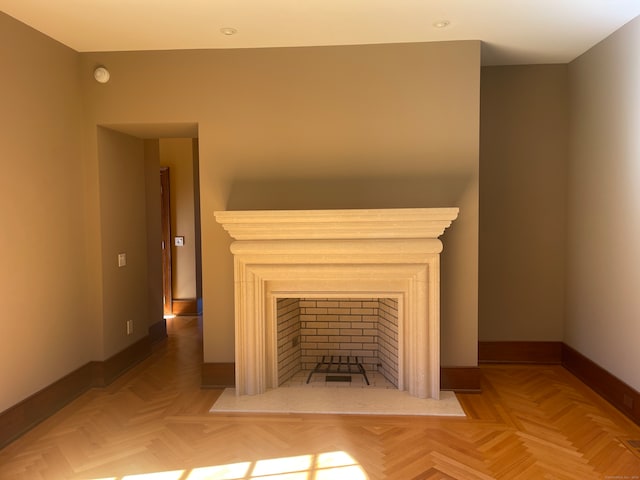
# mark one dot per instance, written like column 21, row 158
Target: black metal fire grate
column 339, row 364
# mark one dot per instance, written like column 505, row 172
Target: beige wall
column 123, row 210
column 523, row 178
column 405, row 116
column 603, row 304
column 177, row 154
column 46, row 332
column 155, row 310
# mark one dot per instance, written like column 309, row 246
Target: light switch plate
column 179, row 241
column 122, row 259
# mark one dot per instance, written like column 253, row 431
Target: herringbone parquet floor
column 530, row 422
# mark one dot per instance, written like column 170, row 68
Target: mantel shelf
column 337, row 224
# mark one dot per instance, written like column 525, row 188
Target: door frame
column 165, row 212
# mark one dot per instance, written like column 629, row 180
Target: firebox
column 337, row 336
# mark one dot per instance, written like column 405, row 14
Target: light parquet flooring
column 530, row 422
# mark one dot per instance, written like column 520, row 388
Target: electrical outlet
column 129, row 327
column 122, row 259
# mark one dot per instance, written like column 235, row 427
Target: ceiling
column 512, row 31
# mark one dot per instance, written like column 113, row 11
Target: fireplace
column 388, row 255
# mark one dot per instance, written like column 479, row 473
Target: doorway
column 165, row 213
column 181, row 255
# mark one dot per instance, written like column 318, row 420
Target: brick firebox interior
column 310, row 328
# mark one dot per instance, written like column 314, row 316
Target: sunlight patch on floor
column 321, row 466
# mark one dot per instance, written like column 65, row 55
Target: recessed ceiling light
column 228, row 31
column 442, row 23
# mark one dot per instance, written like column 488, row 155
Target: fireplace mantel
column 382, row 253
column 336, row 224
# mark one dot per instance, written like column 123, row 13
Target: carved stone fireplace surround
column 384, row 253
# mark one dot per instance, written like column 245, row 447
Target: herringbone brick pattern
column 530, row 422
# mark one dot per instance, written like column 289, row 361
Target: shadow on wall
column 339, row 193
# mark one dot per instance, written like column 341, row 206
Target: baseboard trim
column 158, row 331
column 520, row 352
column 17, row 420
column 218, row 375
column 20, row 418
column 25, row 415
column 107, row 371
column 460, row 379
column 185, row 306
column 619, row 394
column 615, row 391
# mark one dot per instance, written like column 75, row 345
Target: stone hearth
column 373, row 254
